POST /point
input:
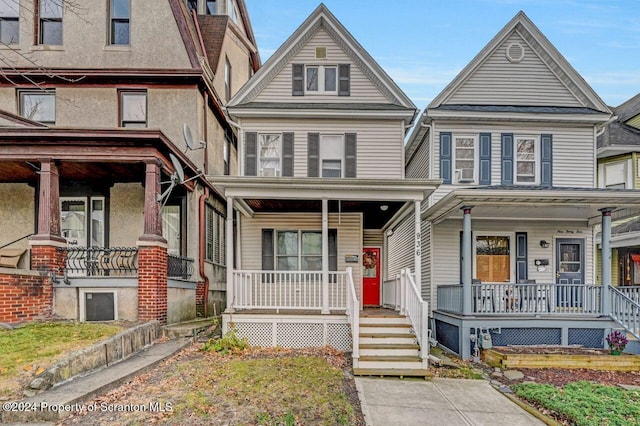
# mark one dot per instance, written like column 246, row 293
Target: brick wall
column 25, row 297
column 200, row 299
column 152, row 283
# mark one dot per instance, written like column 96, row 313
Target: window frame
column 300, row 256
column 321, row 79
column 455, row 179
column 215, row 222
column 113, row 19
column 45, row 92
column 512, row 253
column 41, row 20
column 121, row 104
column 260, row 158
column 11, row 18
column 324, row 155
column 536, row 161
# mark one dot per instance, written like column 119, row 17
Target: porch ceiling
column 374, row 217
column 23, row 171
column 553, row 204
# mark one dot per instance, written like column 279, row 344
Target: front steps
column 388, row 347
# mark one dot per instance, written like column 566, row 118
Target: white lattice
column 257, row 333
column 299, row 335
column 339, row 336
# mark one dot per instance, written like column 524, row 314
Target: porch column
column 466, row 260
column 606, row 260
column 418, row 246
column 229, row 255
column 152, row 218
column 49, row 203
column 325, row 256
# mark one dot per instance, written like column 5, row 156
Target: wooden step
column 388, row 335
column 384, row 320
column 390, row 346
column 392, row 372
column 391, row 358
column 384, row 325
column 390, row 362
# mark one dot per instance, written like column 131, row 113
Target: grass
column 585, row 403
column 31, row 347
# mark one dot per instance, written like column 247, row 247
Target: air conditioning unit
column 464, row 176
column 269, row 172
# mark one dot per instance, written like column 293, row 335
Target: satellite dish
column 188, row 139
column 179, row 170
column 177, row 178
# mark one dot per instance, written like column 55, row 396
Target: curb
column 529, row 409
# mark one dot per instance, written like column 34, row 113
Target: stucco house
column 321, row 156
column 508, row 248
column 110, row 118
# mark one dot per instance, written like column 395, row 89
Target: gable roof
column 546, row 52
column 8, row 119
column 628, row 109
column 321, row 17
column 618, row 133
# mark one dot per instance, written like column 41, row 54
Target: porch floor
column 379, row 313
column 286, row 312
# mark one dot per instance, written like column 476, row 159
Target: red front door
column 371, row 277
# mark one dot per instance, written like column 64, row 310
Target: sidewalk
column 450, row 402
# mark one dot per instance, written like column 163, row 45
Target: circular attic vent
column 515, row 52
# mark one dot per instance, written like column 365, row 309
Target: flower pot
column 615, row 352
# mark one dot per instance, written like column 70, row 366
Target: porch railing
column 391, row 293
column 625, row 311
column 538, row 299
column 180, row 267
column 632, row 292
column 417, row 310
column 100, row 261
column 353, row 315
column 288, row 290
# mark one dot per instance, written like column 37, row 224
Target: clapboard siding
column 372, row 238
column 499, row 82
column 362, row 89
column 379, row 142
column 418, row 167
column 401, row 245
column 349, row 226
column 446, row 246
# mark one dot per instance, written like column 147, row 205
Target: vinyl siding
column 500, row 82
column 362, row 89
column 615, row 267
column 372, row 238
column 573, row 152
column 419, row 165
column 634, row 122
column 446, row 246
column 349, row 227
column 636, row 169
column 379, row 142
column 401, row 245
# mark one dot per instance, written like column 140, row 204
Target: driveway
column 439, row 402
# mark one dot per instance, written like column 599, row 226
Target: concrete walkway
column 439, row 402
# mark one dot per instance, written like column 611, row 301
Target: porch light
column 544, row 244
column 384, row 207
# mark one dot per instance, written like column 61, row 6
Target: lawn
column 25, row 350
column 584, row 403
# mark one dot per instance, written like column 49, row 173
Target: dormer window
column 314, row 79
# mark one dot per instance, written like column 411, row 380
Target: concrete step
column 190, row 328
column 392, row 372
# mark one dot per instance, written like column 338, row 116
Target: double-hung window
column 526, row 160
column 9, row 22
column 119, row 16
column 133, row 108
column 321, row 79
column 38, row 105
column 270, row 151
column 50, row 22
column 331, row 155
column 215, row 231
column 464, row 159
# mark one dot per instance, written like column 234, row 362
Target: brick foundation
column 201, row 299
column 152, row 283
column 25, row 298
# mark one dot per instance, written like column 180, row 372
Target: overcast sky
column 423, row 44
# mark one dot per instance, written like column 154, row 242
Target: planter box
column 624, row 362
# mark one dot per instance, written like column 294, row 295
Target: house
column 322, row 130
column 110, row 117
column 508, row 251
column 619, row 167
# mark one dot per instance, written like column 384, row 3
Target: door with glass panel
column 82, row 222
column 569, row 272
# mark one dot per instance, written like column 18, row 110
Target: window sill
column 117, row 48
column 48, row 47
column 9, row 47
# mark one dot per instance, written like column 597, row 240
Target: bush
column 230, row 342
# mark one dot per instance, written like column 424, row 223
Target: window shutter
column 298, row 79
column 445, row 157
column 313, row 154
column 546, row 160
column 333, row 249
column 350, row 154
column 267, row 250
column 521, row 256
column 485, row 158
column 507, row 159
column 250, row 153
column 287, row 154
column 344, row 80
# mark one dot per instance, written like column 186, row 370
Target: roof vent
column 321, row 53
column 515, row 52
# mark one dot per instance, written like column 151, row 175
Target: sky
column 424, row 44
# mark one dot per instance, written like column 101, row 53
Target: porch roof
column 536, row 203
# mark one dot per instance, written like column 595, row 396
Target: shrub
column 230, row 342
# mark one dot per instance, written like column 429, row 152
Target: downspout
column 201, row 248
column 205, row 133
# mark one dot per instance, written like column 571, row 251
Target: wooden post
column 466, row 260
column 229, row 259
column 606, row 261
column 325, row 256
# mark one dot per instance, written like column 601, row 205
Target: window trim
column 112, row 19
column 124, row 92
column 512, row 254
column 11, row 18
column 47, row 92
column 39, row 33
column 321, row 79
column 215, row 222
column 476, row 153
column 299, row 253
column 537, row 153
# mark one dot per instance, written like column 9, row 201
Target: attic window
column 515, row 52
column 321, row 53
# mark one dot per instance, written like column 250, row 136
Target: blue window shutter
column 521, row 256
column 485, row 158
column 445, row 157
column 546, row 160
column 507, row 159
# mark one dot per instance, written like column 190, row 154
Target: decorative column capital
column 606, row 211
column 466, row 209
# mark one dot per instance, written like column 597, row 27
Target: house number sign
column 418, row 244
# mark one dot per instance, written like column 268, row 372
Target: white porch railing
column 391, row 293
column 632, row 292
column 288, row 290
column 353, row 315
column 412, row 305
column 625, row 311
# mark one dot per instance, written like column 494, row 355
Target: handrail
column 100, row 261
column 353, row 314
column 15, row 241
column 179, row 266
column 625, row 311
column 418, row 312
